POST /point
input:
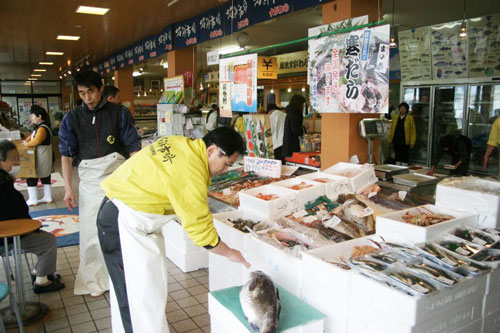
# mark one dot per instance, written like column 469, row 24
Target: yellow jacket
column 170, row 176
column 410, row 129
column 494, row 139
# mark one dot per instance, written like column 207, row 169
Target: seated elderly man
column 13, row 206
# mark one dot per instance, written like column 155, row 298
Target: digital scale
column 371, row 129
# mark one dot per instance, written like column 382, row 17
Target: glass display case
column 483, row 109
column 419, row 100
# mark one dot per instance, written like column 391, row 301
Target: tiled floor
column 186, row 307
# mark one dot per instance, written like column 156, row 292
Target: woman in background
column 41, row 140
column 293, row 125
column 403, row 134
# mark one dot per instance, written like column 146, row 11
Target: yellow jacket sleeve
column 393, row 128
column 40, row 135
column 240, row 125
column 412, row 131
column 494, row 138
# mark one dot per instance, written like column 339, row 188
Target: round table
column 30, row 311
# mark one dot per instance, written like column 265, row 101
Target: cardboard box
column 285, row 203
column 362, row 175
column 334, row 185
column 304, row 195
column 480, row 199
column 27, row 159
column 391, row 226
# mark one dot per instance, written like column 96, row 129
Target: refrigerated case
column 463, row 108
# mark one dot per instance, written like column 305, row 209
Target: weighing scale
column 371, row 129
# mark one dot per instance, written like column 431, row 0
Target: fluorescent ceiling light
column 48, row 63
column 66, row 37
column 165, row 64
column 39, row 70
column 32, row 79
column 173, row 2
column 231, row 49
column 91, row 10
column 135, row 73
column 54, row 53
column 36, row 75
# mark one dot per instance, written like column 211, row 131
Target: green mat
column 294, row 311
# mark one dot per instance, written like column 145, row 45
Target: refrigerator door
column 448, row 116
column 483, row 110
column 419, row 100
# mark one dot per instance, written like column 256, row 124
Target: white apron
column 92, row 273
column 145, row 266
column 43, row 156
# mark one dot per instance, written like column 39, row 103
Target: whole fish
column 348, row 229
column 442, row 63
column 353, row 212
column 260, row 302
column 433, row 273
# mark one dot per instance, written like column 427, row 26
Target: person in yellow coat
column 403, row 134
column 165, row 181
column 493, row 142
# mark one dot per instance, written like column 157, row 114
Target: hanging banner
column 164, row 40
column 264, row 10
column 415, row 54
column 484, row 46
column 303, row 4
column 129, row 56
column 212, row 23
column 349, row 73
column 295, row 62
column 449, row 51
column 267, row 68
column 258, row 135
column 186, row 33
column 120, row 59
column 150, row 47
column 238, row 12
column 241, row 71
column 225, row 99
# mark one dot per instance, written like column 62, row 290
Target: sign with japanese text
column 258, row 138
column 267, row 68
column 186, row 33
column 264, row 10
column 225, row 99
column 213, row 57
column 303, row 4
column 188, row 78
column 174, row 90
column 294, row 62
column 212, row 23
column 241, row 71
column 262, row 167
column 349, row 73
column 165, row 40
column 238, row 16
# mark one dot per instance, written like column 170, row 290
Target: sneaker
column 97, row 293
column 54, row 286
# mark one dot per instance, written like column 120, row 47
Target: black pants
column 34, row 181
column 402, row 152
column 109, row 238
column 278, row 154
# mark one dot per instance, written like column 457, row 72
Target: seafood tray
column 285, row 201
column 305, row 190
column 387, row 171
column 360, row 176
column 398, row 225
column 472, row 194
column 334, row 185
column 414, row 180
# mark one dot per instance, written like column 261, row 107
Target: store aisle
column 187, row 307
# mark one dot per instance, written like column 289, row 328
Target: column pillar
column 182, row 60
column 340, row 137
column 125, row 82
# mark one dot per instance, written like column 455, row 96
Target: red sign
column 188, row 78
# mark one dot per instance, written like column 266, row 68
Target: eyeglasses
column 222, row 151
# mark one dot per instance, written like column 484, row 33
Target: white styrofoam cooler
column 391, row 226
column 305, row 195
column 493, row 281
column 223, row 273
column 285, row 203
column 175, row 234
column 334, row 186
column 491, row 323
column 365, row 174
column 486, row 204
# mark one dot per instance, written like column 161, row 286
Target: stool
column 4, row 291
column 29, row 311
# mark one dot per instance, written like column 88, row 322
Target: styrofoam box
column 392, row 226
column 224, row 321
column 223, row 273
column 284, row 268
column 491, row 303
column 304, row 195
column 186, row 261
column 473, row 327
column 381, row 297
column 362, row 180
column 376, row 321
column 485, row 204
column 285, row 204
column 491, row 323
column 336, row 185
column 175, row 234
column 325, row 286
column 493, row 281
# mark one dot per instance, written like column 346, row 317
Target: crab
column 425, row 217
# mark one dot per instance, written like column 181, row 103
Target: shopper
column 237, row 123
column 13, row 206
column 221, row 121
column 138, row 204
column 212, row 118
column 97, row 136
column 459, row 147
column 111, row 94
column 277, row 127
column 293, row 127
column 41, row 140
column 493, row 142
column 403, row 134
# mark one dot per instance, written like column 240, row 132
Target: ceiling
column 28, row 28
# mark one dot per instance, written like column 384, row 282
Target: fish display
column 412, row 281
column 243, row 225
column 266, row 197
column 486, row 256
column 461, row 248
column 475, row 237
column 359, row 251
column 300, row 186
column 260, row 301
column 434, row 273
column 423, row 217
column 357, row 212
column 285, row 239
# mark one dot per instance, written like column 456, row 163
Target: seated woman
column 13, row 206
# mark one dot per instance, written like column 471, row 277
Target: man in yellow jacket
column 403, row 134
column 168, row 177
column 493, row 142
